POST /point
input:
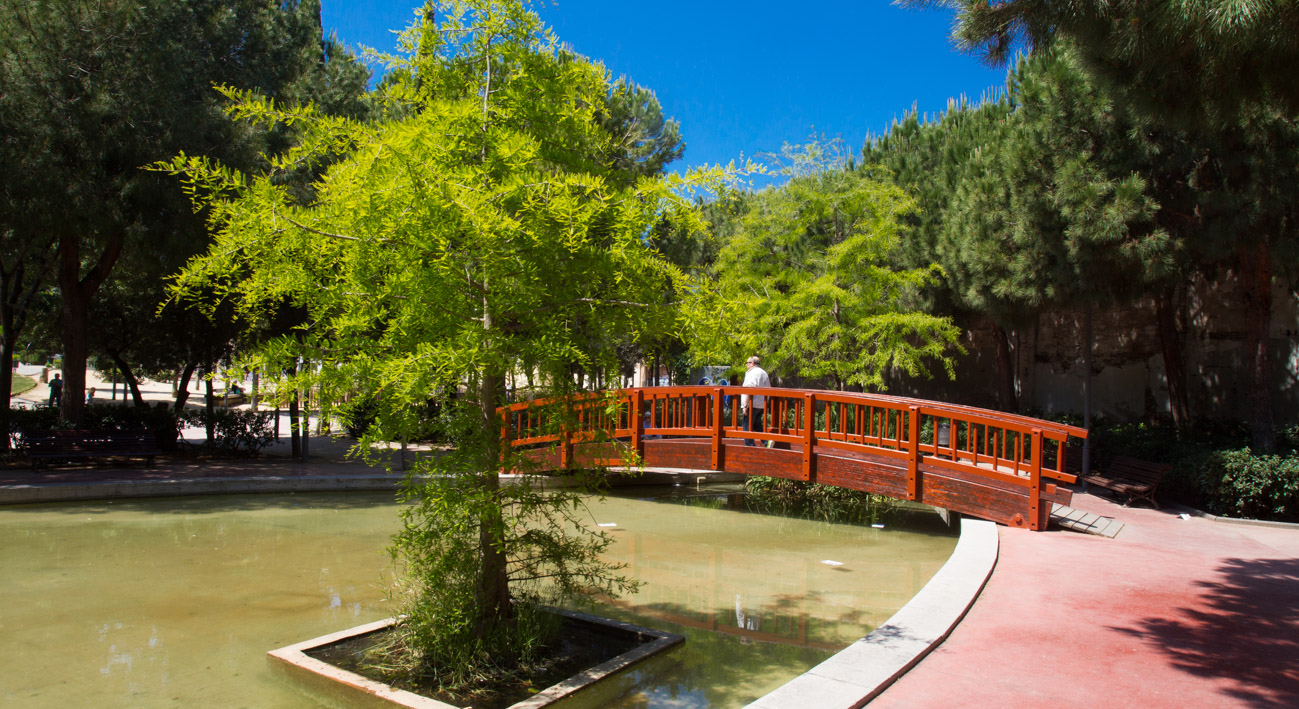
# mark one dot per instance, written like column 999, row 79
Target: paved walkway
column 1172, row 612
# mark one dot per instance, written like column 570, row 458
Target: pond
column 172, row 602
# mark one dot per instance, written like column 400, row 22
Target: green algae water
column 174, row 602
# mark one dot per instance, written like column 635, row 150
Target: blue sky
column 743, row 78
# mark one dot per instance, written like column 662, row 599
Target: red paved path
column 1171, row 613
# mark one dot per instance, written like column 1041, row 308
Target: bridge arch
column 988, row 464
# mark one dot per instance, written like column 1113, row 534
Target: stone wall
column 1128, row 380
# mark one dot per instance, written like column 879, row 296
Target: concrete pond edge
column 332, row 680
column 39, row 492
column 860, row 672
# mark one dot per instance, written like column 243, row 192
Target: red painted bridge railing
column 990, row 464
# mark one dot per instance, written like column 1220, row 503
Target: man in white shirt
column 753, row 405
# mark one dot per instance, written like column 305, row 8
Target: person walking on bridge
column 753, row 406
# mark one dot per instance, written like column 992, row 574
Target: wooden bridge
column 989, row 464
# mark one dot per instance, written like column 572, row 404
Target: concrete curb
column 119, row 489
column 334, row 681
column 863, row 670
column 1235, row 520
column 339, row 482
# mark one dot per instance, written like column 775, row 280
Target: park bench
column 1136, row 479
column 69, row 445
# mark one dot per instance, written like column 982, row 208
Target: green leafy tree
column 807, row 280
column 486, row 232
column 96, row 90
column 1038, row 201
column 930, row 161
column 1219, row 69
column 643, row 141
column 1194, row 63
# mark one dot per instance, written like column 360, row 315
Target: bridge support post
column 505, row 439
column 1035, row 521
column 809, row 434
column 913, row 461
column 637, row 422
column 718, row 448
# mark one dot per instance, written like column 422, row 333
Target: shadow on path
column 1245, row 628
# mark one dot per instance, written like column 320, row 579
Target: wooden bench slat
column 92, row 444
column 1137, row 479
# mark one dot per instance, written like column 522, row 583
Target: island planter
column 335, row 682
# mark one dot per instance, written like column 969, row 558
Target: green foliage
column 827, row 502
column 643, row 140
column 1240, row 483
column 554, row 554
column 808, row 281
column 237, row 432
column 1195, row 63
column 1032, row 199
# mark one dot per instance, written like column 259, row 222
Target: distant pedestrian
column 754, row 405
column 56, row 390
column 90, row 396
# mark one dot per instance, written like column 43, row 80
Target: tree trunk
column 128, row 379
column 210, row 404
column 1256, row 287
column 182, row 387
column 305, row 415
column 75, row 294
column 295, row 439
column 1170, row 343
column 7, row 382
column 1006, row 398
column 493, row 593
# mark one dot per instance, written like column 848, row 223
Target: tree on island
column 489, row 230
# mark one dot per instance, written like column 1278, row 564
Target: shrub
column 358, row 415
column 236, row 431
column 1240, row 484
column 1212, row 467
column 98, row 417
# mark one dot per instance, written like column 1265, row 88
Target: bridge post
column 505, row 438
column 809, row 437
column 913, row 461
column 718, row 448
column 1035, row 521
column 637, row 423
column 565, row 440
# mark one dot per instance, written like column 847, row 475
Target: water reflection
column 752, row 593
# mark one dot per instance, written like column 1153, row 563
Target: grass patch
column 21, row 384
